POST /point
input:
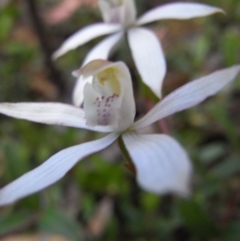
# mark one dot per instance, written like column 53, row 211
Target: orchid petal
column 148, row 57
column 78, row 90
column 109, row 99
column 100, row 51
column 104, row 48
column 178, row 11
column 84, row 35
column 162, row 165
column 49, row 113
column 51, row 170
column 94, row 67
column 189, row 95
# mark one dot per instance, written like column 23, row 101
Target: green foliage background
column 210, row 133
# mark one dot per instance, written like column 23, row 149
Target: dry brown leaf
column 174, row 80
column 43, row 86
column 174, row 32
column 65, row 9
column 160, row 33
column 37, row 237
column 101, row 217
column 24, row 34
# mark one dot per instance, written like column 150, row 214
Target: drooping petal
column 162, row 165
column 49, row 113
column 100, row 51
column 51, row 170
column 189, row 95
column 148, row 57
column 108, row 100
column 179, row 10
column 84, row 35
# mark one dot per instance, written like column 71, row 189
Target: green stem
column 124, row 149
column 125, row 153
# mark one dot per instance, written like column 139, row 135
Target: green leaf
column 10, row 222
column 212, row 152
column 230, row 43
column 196, row 219
column 55, row 221
column 227, row 168
column 231, row 232
column 8, row 15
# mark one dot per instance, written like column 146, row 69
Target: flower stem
column 125, row 153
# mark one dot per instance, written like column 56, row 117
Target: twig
column 37, row 25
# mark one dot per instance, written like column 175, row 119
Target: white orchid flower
column 162, row 165
column 120, row 16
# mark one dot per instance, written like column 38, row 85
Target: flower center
column 104, row 109
column 102, row 99
column 107, row 81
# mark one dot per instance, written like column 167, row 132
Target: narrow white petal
column 162, row 165
column 148, row 57
column 179, row 10
column 189, row 95
column 100, row 51
column 49, row 113
column 104, row 48
column 51, row 170
column 84, row 35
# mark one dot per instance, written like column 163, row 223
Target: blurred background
column 99, row 198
